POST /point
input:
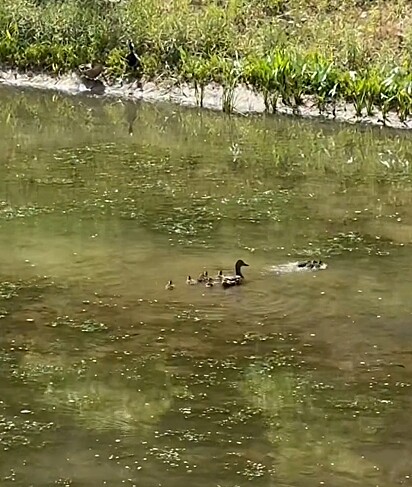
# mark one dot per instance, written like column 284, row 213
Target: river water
column 292, row 379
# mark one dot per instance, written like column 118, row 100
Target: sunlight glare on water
column 292, row 379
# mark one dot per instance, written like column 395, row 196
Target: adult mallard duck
column 90, row 71
column 229, row 281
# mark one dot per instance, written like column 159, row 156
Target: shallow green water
column 301, row 379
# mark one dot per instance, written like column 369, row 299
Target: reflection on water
column 293, row 379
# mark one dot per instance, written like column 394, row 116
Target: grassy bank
column 355, row 51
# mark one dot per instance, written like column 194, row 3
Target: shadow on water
column 300, row 379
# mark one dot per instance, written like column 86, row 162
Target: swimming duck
column 228, row 281
column 209, row 282
column 132, row 59
column 203, row 277
column 312, row 264
column 169, row 286
column 219, row 276
column 190, row 281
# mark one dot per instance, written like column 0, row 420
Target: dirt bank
column 245, row 100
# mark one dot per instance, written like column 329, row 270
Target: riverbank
column 245, row 101
column 347, row 60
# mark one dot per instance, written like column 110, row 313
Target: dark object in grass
column 132, row 59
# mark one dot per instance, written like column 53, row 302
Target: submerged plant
column 197, row 70
column 294, row 405
column 229, row 75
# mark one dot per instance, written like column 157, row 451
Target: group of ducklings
column 311, row 264
column 234, row 280
column 220, row 279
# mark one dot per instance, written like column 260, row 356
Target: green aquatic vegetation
column 16, row 432
column 126, row 398
column 8, row 212
column 252, row 172
column 102, row 405
column 200, row 71
column 39, row 368
column 8, row 290
column 229, row 77
column 23, row 289
column 278, row 75
column 349, row 242
column 404, row 98
column 256, row 208
column 325, row 81
column 362, row 89
column 85, row 326
column 316, row 149
column 297, row 410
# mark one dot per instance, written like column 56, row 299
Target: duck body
column 203, row 277
column 219, row 276
column 90, row 71
column 190, row 281
column 237, row 278
column 169, row 286
column 229, row 281
column 132, row 59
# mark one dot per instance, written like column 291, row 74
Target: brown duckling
column 190, row 281
column 91, row 71
column 169, row 286
column 312, row 264
column 219, row 276
column 203, row 277
column 209, row 282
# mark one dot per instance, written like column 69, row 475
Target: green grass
column 354, row 51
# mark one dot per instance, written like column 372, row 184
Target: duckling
column 203, row 277
column 209, row 282
column 190, row 281
column 228, row 281
column 312, row 264
column 132, row 59
column 219, row 276
column 169, row 286
column 319, row 265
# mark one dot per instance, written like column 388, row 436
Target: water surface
column 301, row 379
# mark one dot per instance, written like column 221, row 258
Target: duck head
column 238, row 267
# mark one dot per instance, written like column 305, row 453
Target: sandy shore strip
column 245, row 101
